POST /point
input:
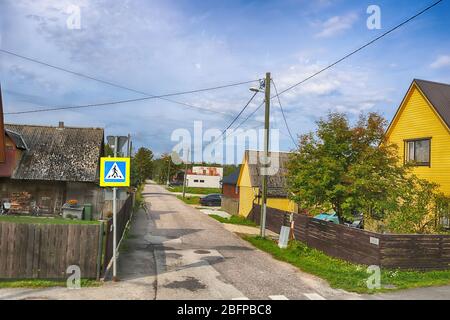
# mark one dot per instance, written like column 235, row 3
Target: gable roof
column 276, row 182
column 438, row 96
column 233, row 177
column 58, row 154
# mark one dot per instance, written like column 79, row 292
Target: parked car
column 332, row 217
column 358, row 222
column 212, row 200
column 175, row 183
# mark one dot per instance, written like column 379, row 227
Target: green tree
column 346, row 168
column 142, row 164
column 418, row 205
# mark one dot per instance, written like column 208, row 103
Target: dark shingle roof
column 439, row 96
column 58, row 154
column 276, row 182
column 232, row 178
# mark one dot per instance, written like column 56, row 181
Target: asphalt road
column 197, row 258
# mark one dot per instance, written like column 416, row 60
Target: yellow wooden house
column 421, row 130
column 250, row 181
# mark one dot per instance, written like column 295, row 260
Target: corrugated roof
column 276, row 182
column 59, row 154
column 439, row 96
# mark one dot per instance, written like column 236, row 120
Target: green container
column 88, row 211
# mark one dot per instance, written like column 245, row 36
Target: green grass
column 344, row 275
column 234, row 220
column 139, row 198
column 37, row 283
column 43, row 220
column 190, row 200
column 194, row 190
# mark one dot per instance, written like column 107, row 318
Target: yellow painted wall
column 417, row 119
column 247, row 195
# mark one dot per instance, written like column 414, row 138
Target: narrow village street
column 174, row 251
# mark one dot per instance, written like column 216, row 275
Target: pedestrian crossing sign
column 115, row 172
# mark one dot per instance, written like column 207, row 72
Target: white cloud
column 336, row 25
column 441, row 62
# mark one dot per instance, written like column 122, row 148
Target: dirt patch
column 202, row 251
column 189, row 283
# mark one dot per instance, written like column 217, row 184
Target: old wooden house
column 44, row 167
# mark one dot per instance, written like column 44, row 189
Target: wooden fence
column 44, row 251
column 123, row 216
column 230, row 205
column 422, row 252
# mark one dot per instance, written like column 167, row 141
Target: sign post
column 115, row 172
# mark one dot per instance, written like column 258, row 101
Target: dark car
column 175, row 183
column 211, row 200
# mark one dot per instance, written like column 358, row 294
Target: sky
column 167, row 46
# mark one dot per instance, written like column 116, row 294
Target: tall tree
column 346, row 168
column 142, row 164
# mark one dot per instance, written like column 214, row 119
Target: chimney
column 61, row 125
column 2, row 131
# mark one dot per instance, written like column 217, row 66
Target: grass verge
column 43, row 220
column 344, row 275
column 190, row 200
column 38, row 283
column 139, row 198
column 234, row 220
column 194, row 190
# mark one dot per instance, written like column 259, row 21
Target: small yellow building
column 421, row 130
column 250, row 181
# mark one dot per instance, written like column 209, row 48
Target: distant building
column 250, row 182
column 44, row 167
column 204, row 177
column 230, row 192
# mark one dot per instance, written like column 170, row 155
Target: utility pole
column 2, row 131
column 185, row 173
column 266, row 156
column 129, row 146
column 116, row 146
column 168, row 172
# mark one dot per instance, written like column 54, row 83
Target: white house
column 204, row 177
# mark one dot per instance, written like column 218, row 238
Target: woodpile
column 20, row 202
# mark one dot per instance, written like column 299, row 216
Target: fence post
column 100, row 248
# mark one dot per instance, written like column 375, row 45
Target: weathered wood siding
column 44, row 251
column 421, row 252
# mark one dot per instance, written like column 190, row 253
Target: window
column 418, row 152
column 195, row 180
column 202, row 181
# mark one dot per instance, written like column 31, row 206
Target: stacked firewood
column 20, row 202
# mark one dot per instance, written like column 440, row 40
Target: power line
column 234, row 120
column 148, row 95
column 284, row 116
column 96, row 105
column 363, row 46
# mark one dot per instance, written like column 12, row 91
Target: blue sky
column 167, row 46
